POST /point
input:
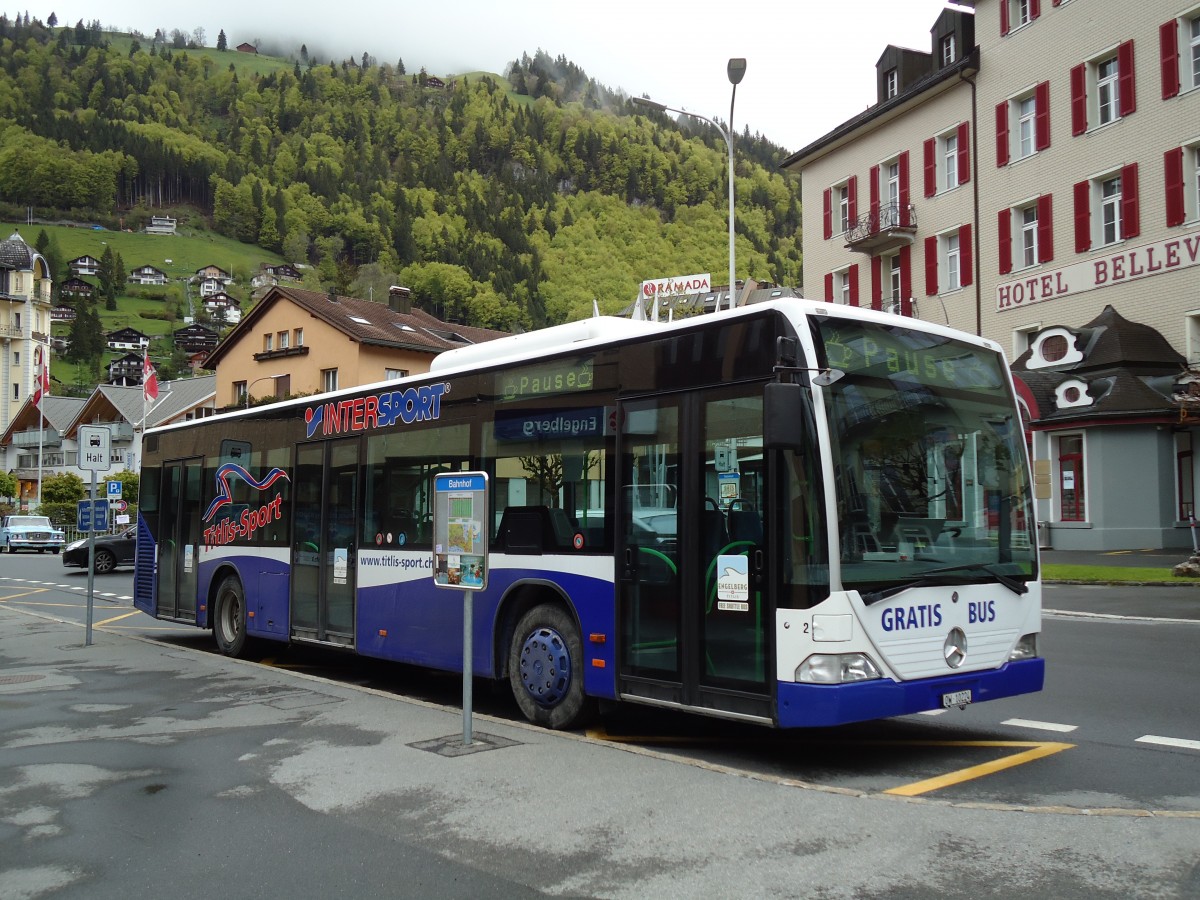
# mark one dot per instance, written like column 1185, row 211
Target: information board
column 460, row 530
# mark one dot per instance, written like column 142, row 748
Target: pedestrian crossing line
column 1182, row 743
column 1039, row 726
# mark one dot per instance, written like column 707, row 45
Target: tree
column 222, row 43
column 52, row 21
column 65, row 487
column 8, row 485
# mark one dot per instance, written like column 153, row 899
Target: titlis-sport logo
column 414, row 404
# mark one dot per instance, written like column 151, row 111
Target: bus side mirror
column 783, row 416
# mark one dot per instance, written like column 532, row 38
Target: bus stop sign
column 460, row 530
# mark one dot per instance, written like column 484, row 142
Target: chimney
column 333, row 296
column 400, row 299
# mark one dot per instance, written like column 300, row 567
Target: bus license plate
column 958, row 698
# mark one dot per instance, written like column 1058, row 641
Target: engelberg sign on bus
column 1126, row 264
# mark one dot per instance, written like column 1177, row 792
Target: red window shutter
column 931, row 265
column 1002, row 134
column 930, row 167
column 1004, row 227
column 852, row 189
column 1003, row 17
column 1079, row 99
column 966, row 255
column 1055, row 2
column 1173, row 171
column 828, row 287
column 1083, row 216
column 1035, row 9
column 1125, row 78
column 906, row 280
column 1131, row 221
column 1041, row 122
column 1045, row 228
column 828, row 221
column 876, row 282
column 854, row 285
column 904, row 223
column 874, row 198
column 964, row 152
column 1168, row 55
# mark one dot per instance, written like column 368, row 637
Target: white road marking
column 932, row 712
column 1169, row 742
column 1040, row 726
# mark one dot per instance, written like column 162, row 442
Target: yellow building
column 297, row 341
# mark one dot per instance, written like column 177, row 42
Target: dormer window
column 947, row 47
column 891, row 83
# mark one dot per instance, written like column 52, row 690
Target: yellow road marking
column 1033, row 750
column 116, row 618
column 1037, row 750
column 23, row 594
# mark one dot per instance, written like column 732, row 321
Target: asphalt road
column 146, row 765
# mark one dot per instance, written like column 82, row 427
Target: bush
column 61, row 514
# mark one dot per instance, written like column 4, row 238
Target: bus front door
column 694, row 613
column 178, row 539
column 325, row 540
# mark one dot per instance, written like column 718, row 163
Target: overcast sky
column 810, row 65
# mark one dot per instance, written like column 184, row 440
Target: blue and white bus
column 793, row 513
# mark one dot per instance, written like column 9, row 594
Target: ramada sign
column 680, row 285
column 1114, row 268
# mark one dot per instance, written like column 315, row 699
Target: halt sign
column 95, row 448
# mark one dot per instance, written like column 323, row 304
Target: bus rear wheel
column 545, row 669
column 229, row 617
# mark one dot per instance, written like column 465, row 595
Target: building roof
column 943, row 77
column 58, row 411
column 15, row 253
column 175, row 398
column 363, row 321
column 1127, row 369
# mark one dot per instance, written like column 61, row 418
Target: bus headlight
column 1027, row 648
column 837, row 668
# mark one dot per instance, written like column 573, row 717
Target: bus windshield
column 928, row 461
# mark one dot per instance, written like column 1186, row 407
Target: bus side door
column 179, row 539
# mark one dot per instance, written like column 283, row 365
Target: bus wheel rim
column 545, row 667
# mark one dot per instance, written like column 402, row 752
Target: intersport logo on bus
column 414, row 404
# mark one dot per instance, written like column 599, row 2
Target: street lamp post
column 256, row 381
column 736, row 70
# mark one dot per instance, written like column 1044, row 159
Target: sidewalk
column 144, row 768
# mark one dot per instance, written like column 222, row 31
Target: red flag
column 43, row 385
column 149, row 379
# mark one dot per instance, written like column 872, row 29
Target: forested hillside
column 505, row 204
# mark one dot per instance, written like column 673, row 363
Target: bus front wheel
column 229, row 617
column 545, row 668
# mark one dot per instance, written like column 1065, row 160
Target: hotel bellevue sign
column 1118, row 267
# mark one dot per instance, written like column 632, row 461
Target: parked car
column 30, row 533
column 112, row 550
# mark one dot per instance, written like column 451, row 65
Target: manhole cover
column 20, row 679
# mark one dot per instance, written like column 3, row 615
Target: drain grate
column 20, row 679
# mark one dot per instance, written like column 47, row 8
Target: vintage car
column 112, row 550
column 30, row 533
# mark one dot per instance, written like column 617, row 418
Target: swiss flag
column 43, row 385
column 149, row 379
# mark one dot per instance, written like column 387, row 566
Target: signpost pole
column 87, row 641
column 461, row 523
column 468, row 664
column 95, row 451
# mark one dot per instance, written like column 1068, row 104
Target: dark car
column 112, row 550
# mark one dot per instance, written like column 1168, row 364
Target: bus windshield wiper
column 1013, row 584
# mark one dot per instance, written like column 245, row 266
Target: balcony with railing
column 49, row 437
column 891, row 227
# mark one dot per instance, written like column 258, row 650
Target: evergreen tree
column 52, row 21
column 222, row 44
